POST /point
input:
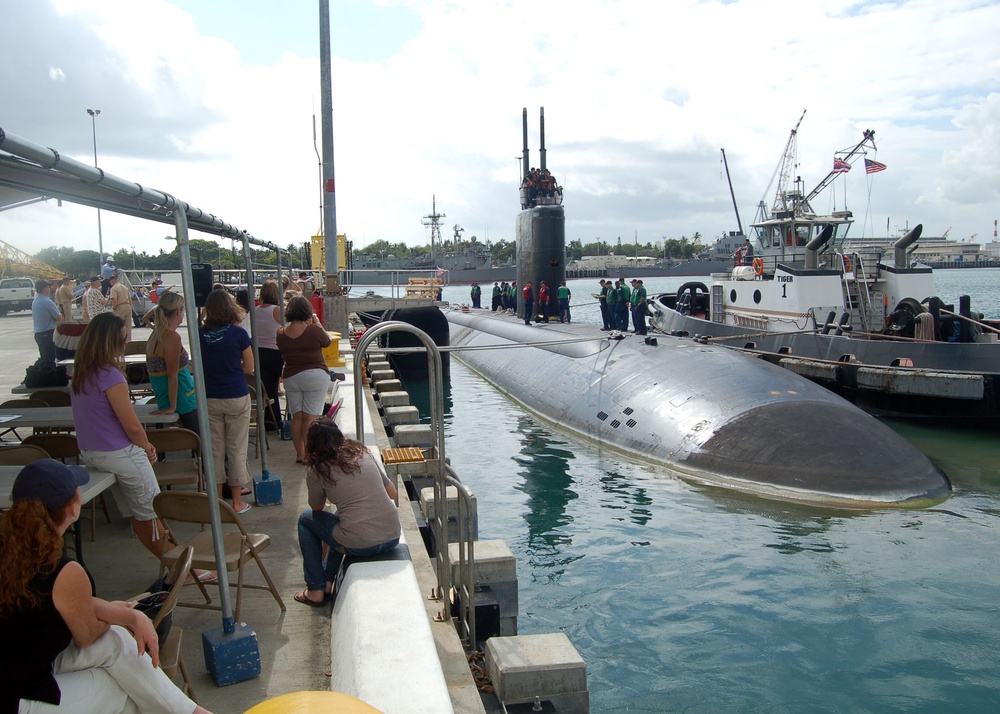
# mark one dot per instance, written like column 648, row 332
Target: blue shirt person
column 44, row 316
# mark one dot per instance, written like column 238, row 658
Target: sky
column 215, row 102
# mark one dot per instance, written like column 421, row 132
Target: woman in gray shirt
column 344, row 472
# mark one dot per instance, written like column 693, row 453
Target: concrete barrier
column 382, row 648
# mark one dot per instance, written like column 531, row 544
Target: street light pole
column 94, row 113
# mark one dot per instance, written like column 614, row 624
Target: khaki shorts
column 136, row 486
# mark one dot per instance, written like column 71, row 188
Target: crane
column 784, row 169
column 14, row 262
column 848, row 156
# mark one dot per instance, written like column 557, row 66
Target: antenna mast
column 434, row 221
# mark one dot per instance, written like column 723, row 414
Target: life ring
column 847, row 264
column 758, row 267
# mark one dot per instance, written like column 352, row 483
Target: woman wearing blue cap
column 73, row 651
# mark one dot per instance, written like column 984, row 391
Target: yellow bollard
column 309, row 702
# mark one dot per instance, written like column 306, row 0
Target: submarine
column 707, row 413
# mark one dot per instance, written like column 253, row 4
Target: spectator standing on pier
column 167, row 363
column 64, row 298
column 529, row 302
column 94, row 302
column 44, row 317
column 121, row 304
column 343, row 472
column 496, row 304
column 305, row 285
column 602, row 297
column 563, row 295
column 305, row 375
column 271, row 361
column 227, row 358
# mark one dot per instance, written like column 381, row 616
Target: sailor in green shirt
column 624, row 299
column 605, row 312
column 496, row 297
column 476, row 293
column 563, row 295
column 639, row 307
column 612, row 301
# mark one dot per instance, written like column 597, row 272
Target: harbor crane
column 14, row 262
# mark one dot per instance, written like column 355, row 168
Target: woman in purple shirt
column 108, row 432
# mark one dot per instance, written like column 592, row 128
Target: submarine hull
column 712, row 415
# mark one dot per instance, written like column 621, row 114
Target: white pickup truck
column 16, row 294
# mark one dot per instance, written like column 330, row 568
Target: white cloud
column 638, row 98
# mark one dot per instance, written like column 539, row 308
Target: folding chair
column 24, row 454
column 20, row 404
column 171, row 660
column 53, row 397
column 135, row 347
column 63, row 447
column 21, row 455
column 183, row 467
column 240, row 546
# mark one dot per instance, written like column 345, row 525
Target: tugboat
column 864, row 323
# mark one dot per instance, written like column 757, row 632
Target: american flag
column 840, row 166
column 873, row 167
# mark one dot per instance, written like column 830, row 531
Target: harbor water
column 687, row 598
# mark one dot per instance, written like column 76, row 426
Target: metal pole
column 329, row 194
column 100, row 237
column 208, row 459
column 261, row 433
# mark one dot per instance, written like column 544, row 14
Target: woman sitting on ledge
column 344, row 472
column 64, row 649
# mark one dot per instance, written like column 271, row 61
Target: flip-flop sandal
column 246, row 507
column 246, row 491
column 301, row 596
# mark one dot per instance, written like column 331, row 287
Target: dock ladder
column 444, row 477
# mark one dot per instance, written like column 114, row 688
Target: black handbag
column 45, row 374
column 151, row 606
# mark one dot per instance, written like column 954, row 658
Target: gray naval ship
column 709, row 414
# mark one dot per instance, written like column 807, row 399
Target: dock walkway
column 294, row 645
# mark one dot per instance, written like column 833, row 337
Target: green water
column 681, row 597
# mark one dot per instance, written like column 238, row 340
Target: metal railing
column 444, row 476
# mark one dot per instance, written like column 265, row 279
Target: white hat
column 111, row 258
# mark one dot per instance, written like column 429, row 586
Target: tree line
column 503, row 251
column 84, row 263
